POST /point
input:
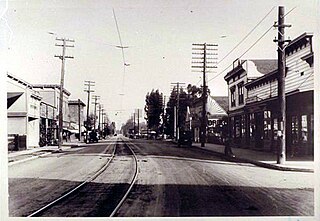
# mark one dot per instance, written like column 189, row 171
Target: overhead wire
column 252, row 44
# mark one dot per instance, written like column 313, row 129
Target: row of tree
column 162, row 121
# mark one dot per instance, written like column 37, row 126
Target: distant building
column 23, row 111
column 50, row 111
column 76, row 110
column 217, row 108
column 253, row 119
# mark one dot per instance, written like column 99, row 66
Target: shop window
column 294, row 129
column 304, row 129
column 275, row 128
column 311, row 124
column 243, row 125
column 252, row 128
column 231, row 127
column 267, row 132
column 237, row 123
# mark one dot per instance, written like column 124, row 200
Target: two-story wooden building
column 243, row 71
column 254, row 125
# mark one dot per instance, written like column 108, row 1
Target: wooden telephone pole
column 203, row 60
column 281, row 86
column 177, row 85
column 63, row 57
column 95, row 97
column 89, row 84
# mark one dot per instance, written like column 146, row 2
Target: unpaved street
column 171, row 181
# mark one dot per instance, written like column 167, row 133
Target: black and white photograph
column 159, row 110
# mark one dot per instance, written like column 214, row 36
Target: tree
column 90, row 121
column 153, row 109
column 184, row 102
column 195, row 92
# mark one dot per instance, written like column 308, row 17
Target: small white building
column 23, row 112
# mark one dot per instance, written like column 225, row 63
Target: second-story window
column 233, row 96
column 240, row 93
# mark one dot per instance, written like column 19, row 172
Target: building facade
column 217, row 107
column 254, row 123
column 49, row 121
column 76, row 111
column 23, row 114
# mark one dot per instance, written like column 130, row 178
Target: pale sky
column 159, row 35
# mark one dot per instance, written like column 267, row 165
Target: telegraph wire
column 250, row 46
column 247, row 35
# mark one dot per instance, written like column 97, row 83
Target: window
column 294, row 129
column 275, row 128
column 243, row 125
column 252, row 126
column 267, row 125
column 233, row 98
column 304, row 129
column 231, row 127
column 240, row 93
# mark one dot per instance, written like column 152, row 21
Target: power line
column 250, row 46
column 246, row 35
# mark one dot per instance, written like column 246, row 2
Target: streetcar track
column 135, row 177
column 64, row 196
column 99, row 172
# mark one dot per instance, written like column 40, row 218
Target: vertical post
column 134, row 124
column 281, row 89
column 79, row 120
column 138, row 123
column 60, row 140
column 177, row 116
column 89, row 84
column 175, row 121
column 87, row 121
column 95, row 111
column 99, row 117
column 204, row 100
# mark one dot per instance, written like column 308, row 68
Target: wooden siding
column 264, row 91
column 296, row 66
column 294, row 79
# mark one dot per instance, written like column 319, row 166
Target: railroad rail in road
column 68, row 204
column 151, row 178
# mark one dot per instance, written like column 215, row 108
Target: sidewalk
column 263, row 159
column 33, row 153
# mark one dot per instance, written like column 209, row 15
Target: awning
column 12, row 97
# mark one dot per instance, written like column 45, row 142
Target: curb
column 34, row 157
column 27, row 159
column 258, row 163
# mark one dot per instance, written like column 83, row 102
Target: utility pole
column 100, row 107
column 79, row 121
column 134, row 123
column 102, row 114
column 204, row 65
column 281, row 156
column 163, row 115
column 95, row 97
column 89, row 84
column 176, row 110
column 63, row 58
column 138, row 122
